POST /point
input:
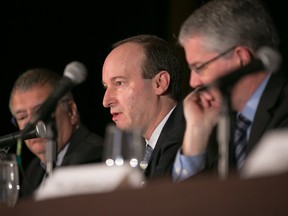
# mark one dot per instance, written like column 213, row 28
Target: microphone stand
column 223, row 136
column 3, row 153
column 51, row 147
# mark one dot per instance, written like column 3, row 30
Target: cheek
column 212, row 74
column 22, row 124
column 224, row 68
column 139, row 105
column 128, row 99
column 136, row 100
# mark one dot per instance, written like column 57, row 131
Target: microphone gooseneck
column 39, row 131
column 74, row 73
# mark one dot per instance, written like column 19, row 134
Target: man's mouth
column 115, row 116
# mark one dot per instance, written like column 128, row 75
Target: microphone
column 267, row 59
column 39, row 131
column 74, row 73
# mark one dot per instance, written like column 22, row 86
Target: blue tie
column 240, row 139
column 147, row 155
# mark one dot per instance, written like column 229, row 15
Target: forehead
column 29, row 98
column 125, row 60
column 126, row 51
column 195, row 49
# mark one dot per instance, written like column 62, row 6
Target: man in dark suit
column 75, row 144
column 143, row 78
column 167, row 145
column 219, row 38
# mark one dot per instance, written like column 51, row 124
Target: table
column 201, row 196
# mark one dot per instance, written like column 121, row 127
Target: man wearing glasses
column 75, row 143
column 218, row 38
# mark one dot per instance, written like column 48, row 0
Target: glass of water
column 9, row 180
column 123, row 147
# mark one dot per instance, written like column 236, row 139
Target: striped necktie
column 240, row 139
column 147, row 155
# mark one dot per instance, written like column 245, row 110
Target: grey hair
column 36, row 77
column 226, row 23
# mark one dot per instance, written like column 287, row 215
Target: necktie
column 240, row 139
column 147, row 155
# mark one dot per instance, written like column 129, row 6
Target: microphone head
column 76, row 71
column 270, row 58
column 41, row 129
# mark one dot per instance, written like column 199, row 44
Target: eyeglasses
column 197, row 69
column 15, row 119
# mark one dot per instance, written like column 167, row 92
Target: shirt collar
column 250, row 108
column 61, row 155
column 156, row 133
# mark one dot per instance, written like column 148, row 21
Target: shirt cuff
column 187, row 166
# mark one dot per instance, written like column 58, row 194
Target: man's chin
column 37, row 147
column 122, row 126
column 38, row 151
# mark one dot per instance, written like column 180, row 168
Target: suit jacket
column 84, row 147
column 271, row 113
column 163, row 156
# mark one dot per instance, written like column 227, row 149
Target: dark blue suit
column 271, row 113
column 84, row 147
column 168, row 143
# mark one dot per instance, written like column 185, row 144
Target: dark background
column 52, row 33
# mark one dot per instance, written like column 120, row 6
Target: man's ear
column 162, row 81
column 244, row 55
column 73, row 112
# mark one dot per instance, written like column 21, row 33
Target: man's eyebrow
column 118, row 77
column 24, row 111
column 114, row 78
column 194, row 64
column 19, row 112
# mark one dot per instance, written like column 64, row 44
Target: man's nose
column 195, row 80
column 108, row 98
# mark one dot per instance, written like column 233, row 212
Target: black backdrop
column 52, row 33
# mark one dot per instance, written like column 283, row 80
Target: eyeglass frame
column 199, row 68
column 63, row 100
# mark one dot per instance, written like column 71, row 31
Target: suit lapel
column 171, row 130
column 264, row 112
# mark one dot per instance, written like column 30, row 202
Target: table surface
column 201, row 196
